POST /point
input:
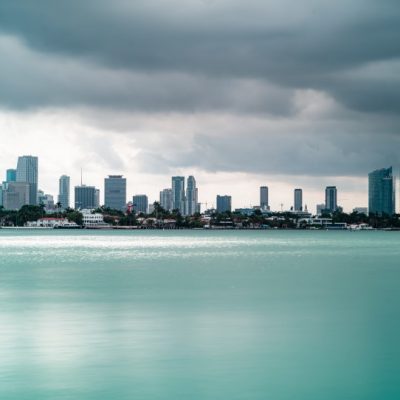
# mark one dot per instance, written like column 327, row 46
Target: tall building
column 27, row 172
column 381, row 192
column 97, row 198
column 115, row 192
column 331, row 198
column 178, row 194
column 16, row 195
column 11, row 175
column 85, row 197
column 63, row 191
column 320, row 209
column 140, row 203
column 298, row 200
column 264, row 201
column 224, row 203
column 46, row 200
column 191, row 196
column 166, row 199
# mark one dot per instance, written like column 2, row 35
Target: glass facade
column 381, row 192
column 27, row 172
column 115, row 192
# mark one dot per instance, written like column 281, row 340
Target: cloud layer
column 266, row 88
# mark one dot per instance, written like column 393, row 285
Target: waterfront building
column 140, row 203
column 264, row 205
column 331, row 198
column 178, row 194
column 381, row 192
column 224, row 203
column 93, row 220
column 191, row 196
column 16, row 195
column 298, row 200
column 27, row 172
column 63, row 191
column 11, row 175
column 115, row 192
column 85, row 197
column 166, row 199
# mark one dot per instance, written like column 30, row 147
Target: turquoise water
column 199, row 315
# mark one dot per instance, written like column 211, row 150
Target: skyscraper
column 264, row 198
column 331, row 198
column 85, row 197
column 140, row 203
column 16, row 195
column 11, row 175
column 298, row 200
column 191, row 196
column 166, row 199
column 115, row 192
column 381, row 192
column 178, row 194
column 63, row 191
column 27, row 172
column 224, row 203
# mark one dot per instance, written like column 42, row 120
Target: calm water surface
column 199, row 315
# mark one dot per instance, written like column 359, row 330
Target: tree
column 75, row 216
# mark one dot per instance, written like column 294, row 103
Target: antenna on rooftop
column 81, row 176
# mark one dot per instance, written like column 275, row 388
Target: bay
column 199, row 315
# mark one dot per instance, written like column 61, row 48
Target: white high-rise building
column 63, row 191
column 166, row 199
column 191, row 196
column 27, row 172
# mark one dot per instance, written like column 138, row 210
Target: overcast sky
column 237, row 93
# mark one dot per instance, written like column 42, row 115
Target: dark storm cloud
column 309, row 44
column 309, row 87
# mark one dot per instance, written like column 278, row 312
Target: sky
column 239, row 94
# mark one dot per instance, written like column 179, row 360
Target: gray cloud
column 286, row 88
column 311, row 44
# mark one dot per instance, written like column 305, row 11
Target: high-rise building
column 191, row 196
column 47, row 200
column 11, row 175
column 16, row 195
column 381, row 192
column 63, row 191
column 27, row 172
column 178, row 194
column 115, row 192
column 85, row 197
column 140, row 203
column 166, row 199
column 331, row 198
column 298, row 200
column 264, row 205
column 320, row 209
column 97, row 198
column 224, row 203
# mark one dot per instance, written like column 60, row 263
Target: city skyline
column 259, row 97
column 184, row 193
